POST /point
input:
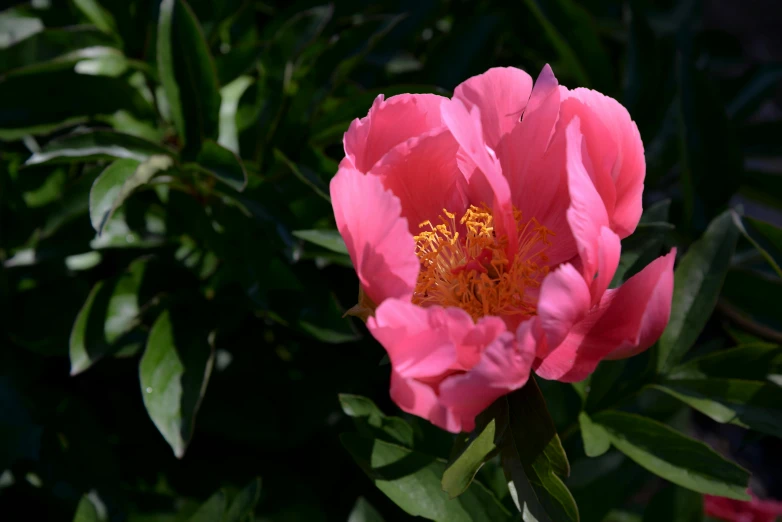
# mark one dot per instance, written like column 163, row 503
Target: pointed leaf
column 118, row 181
column 101, row 18
column 110, row 312
column 244, row 503
column 765, row 237
column 364, row 512
column 754, row 361
column 596, row 440
column 370, row 421
column 174, row 372
column 223, row 164
column 697, row 283
column 212, row 510
column 750, row 404
column 96, row 145
column 329, row 239
column 188, row 75
column 539, row 451
column 673, row 456
column 412, row 481
column 481, row 445
column 85, row 511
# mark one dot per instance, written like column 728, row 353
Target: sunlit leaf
column 174, row 372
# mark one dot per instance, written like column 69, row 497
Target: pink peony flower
column 730, row 510
column 485, row 230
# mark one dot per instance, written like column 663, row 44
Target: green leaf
column 86, row 512
column 412, row 481
column 481, row 445
column 674, row 504
column 364, row 512
column 212, row 510
column 17, row 25
column 223, row 164
column 174, row 372
column 188, row 75
column 230, row 96
column 306, row 177
column 329, row 239
column 50, row 43
column 765, row 237
column 78, row 97
column 673, row 456
column 749, row 404
column 370, row 421
column 110, row 311
column 244, row 503
column 697, row 283
column 753, row 361
column 596, row 440
column 118, row 181
column 96, row 145
column 101, row 18
column 537, row 448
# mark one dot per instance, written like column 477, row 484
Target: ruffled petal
column 389, row 123
column 504, row 366
column 430, row 347
column 564, row 301
column 377, row 237
column 501, row 93
column 478, row 163
column 422, row 172
column 626, row 322
column 420, row 399
column 616, row 151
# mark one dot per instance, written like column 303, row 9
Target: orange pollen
column 471, row 270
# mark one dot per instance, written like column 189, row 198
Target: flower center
column 466, row 265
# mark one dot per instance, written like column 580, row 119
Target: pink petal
column 616, row 150
column 533, row 161
column 609, row 249
column 485, row 182
column 587, row 213
column 437, row 351
column 425, row 343
column 564, row 301
column 420, row 399
column 422, row 172
column 639, row 310
column 377, row 237
column 626, row 322
column 389, row 123
column 525, row 148
column 501, row 93
column 504, row 367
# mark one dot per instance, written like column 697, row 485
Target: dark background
column 701, row 79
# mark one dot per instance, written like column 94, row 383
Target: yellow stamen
column 473, row 272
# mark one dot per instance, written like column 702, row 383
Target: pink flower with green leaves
column 485, row 232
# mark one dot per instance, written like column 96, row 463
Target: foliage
column 172, row 286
